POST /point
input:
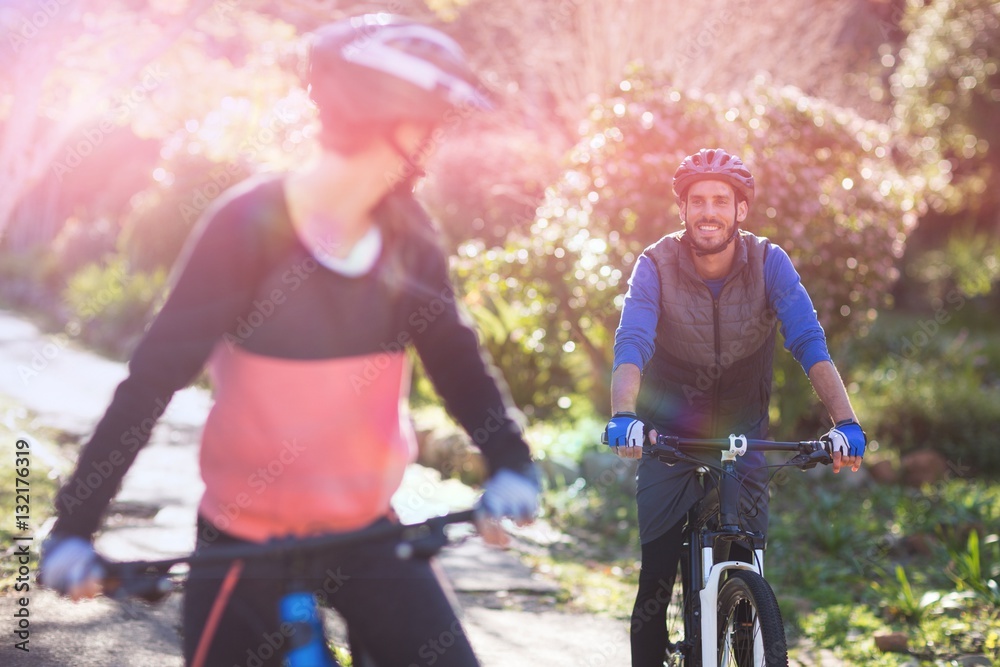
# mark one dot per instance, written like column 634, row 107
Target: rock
column 883, row 472
column 451, row 453
column 891, row 642
column 974, row 661
column 924, row 466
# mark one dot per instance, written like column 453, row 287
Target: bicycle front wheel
column 751, row 633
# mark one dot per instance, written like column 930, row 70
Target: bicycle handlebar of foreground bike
column 670, row 448
column 150, row 580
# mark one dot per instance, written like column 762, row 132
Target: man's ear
column 742, row 209
column 683, row 206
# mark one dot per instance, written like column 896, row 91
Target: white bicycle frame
column 712, row 576
column 709, row 596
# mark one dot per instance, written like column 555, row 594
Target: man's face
column 710, row 212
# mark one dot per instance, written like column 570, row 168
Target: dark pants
column 397, row 609
column 656, row 581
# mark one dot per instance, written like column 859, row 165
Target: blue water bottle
column 307, row 646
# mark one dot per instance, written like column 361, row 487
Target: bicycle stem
column 729, row 493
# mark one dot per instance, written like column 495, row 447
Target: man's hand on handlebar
column 624, row 433
column 846, row 442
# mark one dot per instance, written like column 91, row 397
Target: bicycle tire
column 751, row 633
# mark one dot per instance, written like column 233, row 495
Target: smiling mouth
column 709, row 228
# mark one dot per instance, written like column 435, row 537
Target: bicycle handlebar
column 670, row 448
column 149, row 580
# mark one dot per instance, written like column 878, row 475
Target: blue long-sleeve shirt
column 803, row 334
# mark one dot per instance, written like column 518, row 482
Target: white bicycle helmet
column 381, row 69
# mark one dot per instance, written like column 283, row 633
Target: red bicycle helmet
column 714, row 164
column 382, row 68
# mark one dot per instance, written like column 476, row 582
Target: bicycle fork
column 709, row 599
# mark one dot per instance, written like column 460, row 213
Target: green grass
column 900, row 571
column 846, row 563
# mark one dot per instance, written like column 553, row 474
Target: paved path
column 69, row 388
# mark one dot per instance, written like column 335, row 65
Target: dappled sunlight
column 870, row 129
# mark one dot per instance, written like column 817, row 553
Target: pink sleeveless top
column 297, row 447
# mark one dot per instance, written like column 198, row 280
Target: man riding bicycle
column 352, row 275
column 693, row 358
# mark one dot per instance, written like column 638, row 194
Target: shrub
column 939, row 395
column 946, row 90
column 113, row 304
column 163, row 215
column 829, row 192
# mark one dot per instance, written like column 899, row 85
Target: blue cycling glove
column 624, row 430
column 847, row 438
column 511, row 494
column 68, row 564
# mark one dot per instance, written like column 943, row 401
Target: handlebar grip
column 149, row 588
column 123, row 581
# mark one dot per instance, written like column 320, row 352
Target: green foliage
column 970, row 262
column 829, row 192
column 111, row 304
column 567, row 442
column 836, row 625
column 606, row 516
column 901, row 603
column 936, row 389
column 946, row 88
column 880, row 582
column 163, row 215
column 485, row 183
column 546, row 360
column 342, row 655
column 977, row 568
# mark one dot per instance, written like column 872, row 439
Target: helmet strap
column 415, row 170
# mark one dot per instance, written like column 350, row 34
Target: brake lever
column 821, row 456
column 807, row 461
column 665, row 453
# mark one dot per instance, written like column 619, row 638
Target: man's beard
column 728, row 232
